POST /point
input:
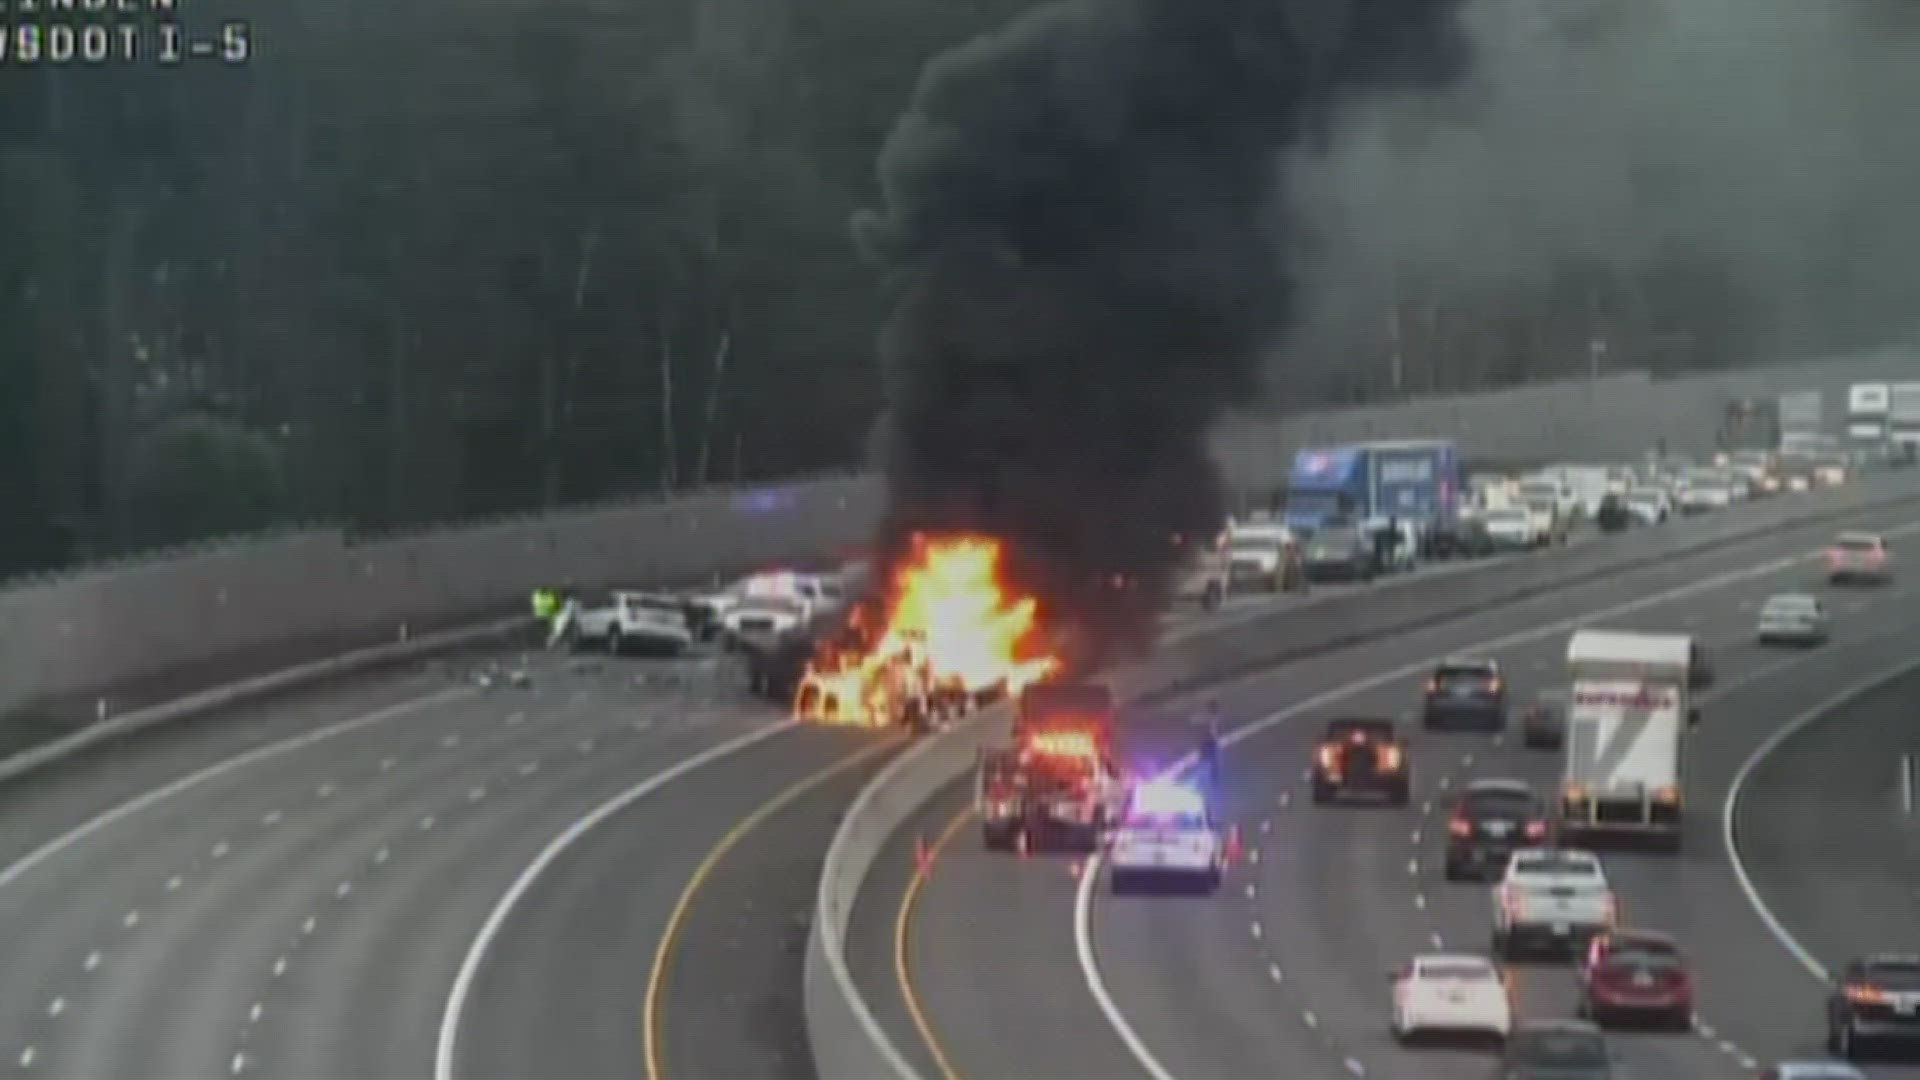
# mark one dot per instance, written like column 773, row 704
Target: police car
column 1168, row 836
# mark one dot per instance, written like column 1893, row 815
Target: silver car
column 1793, row 619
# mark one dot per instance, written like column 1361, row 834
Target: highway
column 613, row 869
column 1288, row 965
column 1826, row 830
column 609, row 872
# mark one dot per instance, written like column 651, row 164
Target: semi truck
column 1058, row 781
column 1903, row 414
column 1416, row 481
column 1867, row 405
column 1629, row 713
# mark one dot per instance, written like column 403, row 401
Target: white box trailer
column 1627, row 723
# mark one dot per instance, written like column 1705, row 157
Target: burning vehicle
column 945, row 633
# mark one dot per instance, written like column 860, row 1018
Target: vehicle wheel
column 1833, row 1039
column 1120, row 883
column 1683, row 1020
column 1501, row 946
column 1583, row 1009
column 1402, row 793
column 1210, row 599
column 1276, row 583
column 1322, row 793
column 996, row 837
column 615, row 646
column 1454, row 871
column 1849, row 1047
column 1211, row 883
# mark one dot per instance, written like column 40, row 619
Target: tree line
column 412, row 264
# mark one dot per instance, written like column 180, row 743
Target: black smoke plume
column 1082, row 213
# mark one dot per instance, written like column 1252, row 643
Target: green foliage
column 202, row 476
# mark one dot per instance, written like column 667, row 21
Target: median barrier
column 249, row 690
column 308, row 593
column 846, row 1039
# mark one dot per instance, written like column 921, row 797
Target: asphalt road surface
column 1286, row 968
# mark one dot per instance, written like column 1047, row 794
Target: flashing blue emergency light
column 1168, row 798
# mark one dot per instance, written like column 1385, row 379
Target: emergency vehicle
column 1058, row 785
column 1168, row 834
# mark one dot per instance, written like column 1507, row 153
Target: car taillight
column 1866, row 995
column 1494, row 685
column 1460, row 827
column 1433, row 686
column 1389, row 757
column 1536, row 830
column 1330, row 757
column 1667, row 796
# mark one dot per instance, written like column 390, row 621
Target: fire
column 952, row 629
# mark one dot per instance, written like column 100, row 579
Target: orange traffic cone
column 1020, row 843
column 922, row 858
column 1234, row 849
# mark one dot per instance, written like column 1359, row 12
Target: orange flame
column 951, row 624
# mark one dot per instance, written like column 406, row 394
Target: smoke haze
column 1081, row 212
column 1771, row 139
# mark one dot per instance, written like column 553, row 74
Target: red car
column 1639, row 974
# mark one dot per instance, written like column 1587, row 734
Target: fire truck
column 1058, row 782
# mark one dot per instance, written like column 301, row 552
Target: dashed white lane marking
column 341, row 890
column 132, row 920
column 1415, row 838
column 642, row 725
column 387, row 764
column 1426, row 807
column 585, row 746
column 476, row 794
column 1730, row 1049
column 1438, row 941
column 1266, row 826
column 1354, row 1067
column 220, row 849
column 1257, row 931
column 253, row 1014
column 174, row 883
column 279, row 966
column 529, row 768
column 1499, row 739
column 426, row 823
column 56, row 1006
column 1250, row 890
column 239, row 1064
column 92, row 962
column 325, row 790
column 1420, row 901
column 1445, row 782
column 450, row 741
column 380, row 857
column 1703, row 1030
column 1274, row 973
column 1253, row 856
column 1311, row 1020
column 1413, row 867
column 516, row 719
column 1286, row 799
column 306, row 928
column 270, row 818
column 27, row 1056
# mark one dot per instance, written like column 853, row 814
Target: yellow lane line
column 676, row 922
column 902, row 927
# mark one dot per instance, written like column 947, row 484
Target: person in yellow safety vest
column 546, row 609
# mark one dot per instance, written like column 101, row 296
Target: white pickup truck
column 1551, row 898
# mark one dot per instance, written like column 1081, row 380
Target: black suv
column 1361, row 756
column 1466, row 694
column 1876, row 1000
column 1491, row 820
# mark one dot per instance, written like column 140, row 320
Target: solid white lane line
column 1083, row 898
column 449, row 1033
column 92, row 961
column 1730, row 807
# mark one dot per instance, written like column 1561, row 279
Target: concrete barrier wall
column 88, row 631
column 846, row 1039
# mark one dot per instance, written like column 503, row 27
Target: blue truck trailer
column 1417, row 481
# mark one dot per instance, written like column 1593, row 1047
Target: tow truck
column 1357, row 755
column 1056, row 786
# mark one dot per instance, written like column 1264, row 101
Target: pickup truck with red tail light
column 1551, row 899
column 1361, row 756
